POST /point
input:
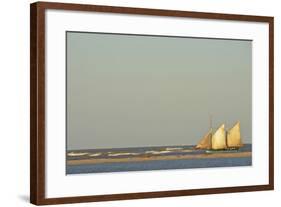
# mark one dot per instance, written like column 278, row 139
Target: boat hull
column 230, row 150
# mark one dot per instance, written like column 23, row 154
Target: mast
column 211, row 121
column 211, row 132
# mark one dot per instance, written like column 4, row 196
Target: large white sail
column 205, row 142
column 234, row 136
column 219, row 139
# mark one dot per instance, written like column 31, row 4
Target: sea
column 132, row 152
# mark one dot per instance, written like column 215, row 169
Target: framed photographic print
column 174, row 103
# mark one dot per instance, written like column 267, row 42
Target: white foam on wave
column 123, row 153
column 158, row 152
column 74, row 154
column 95, row 155
column 173, row 148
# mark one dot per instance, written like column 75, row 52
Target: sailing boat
column 222, row 140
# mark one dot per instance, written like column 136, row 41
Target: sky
column 136, row 91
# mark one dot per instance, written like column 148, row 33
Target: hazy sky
column 130, row 91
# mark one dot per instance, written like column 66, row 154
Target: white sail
column 234, row 136
column 205, row 142
column 219, row 139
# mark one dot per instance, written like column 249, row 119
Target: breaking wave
column 123, row 154
column 174, row 148
column 94, row 155
column 77, row 154
column 158, row 152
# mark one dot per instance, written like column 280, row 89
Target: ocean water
column 150, row 165
column 159, row 165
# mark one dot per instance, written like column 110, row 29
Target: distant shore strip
column 155, row 158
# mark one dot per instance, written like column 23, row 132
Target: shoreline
column 155, row 158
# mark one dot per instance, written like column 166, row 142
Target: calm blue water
column 152, row 165
column 159, row 164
